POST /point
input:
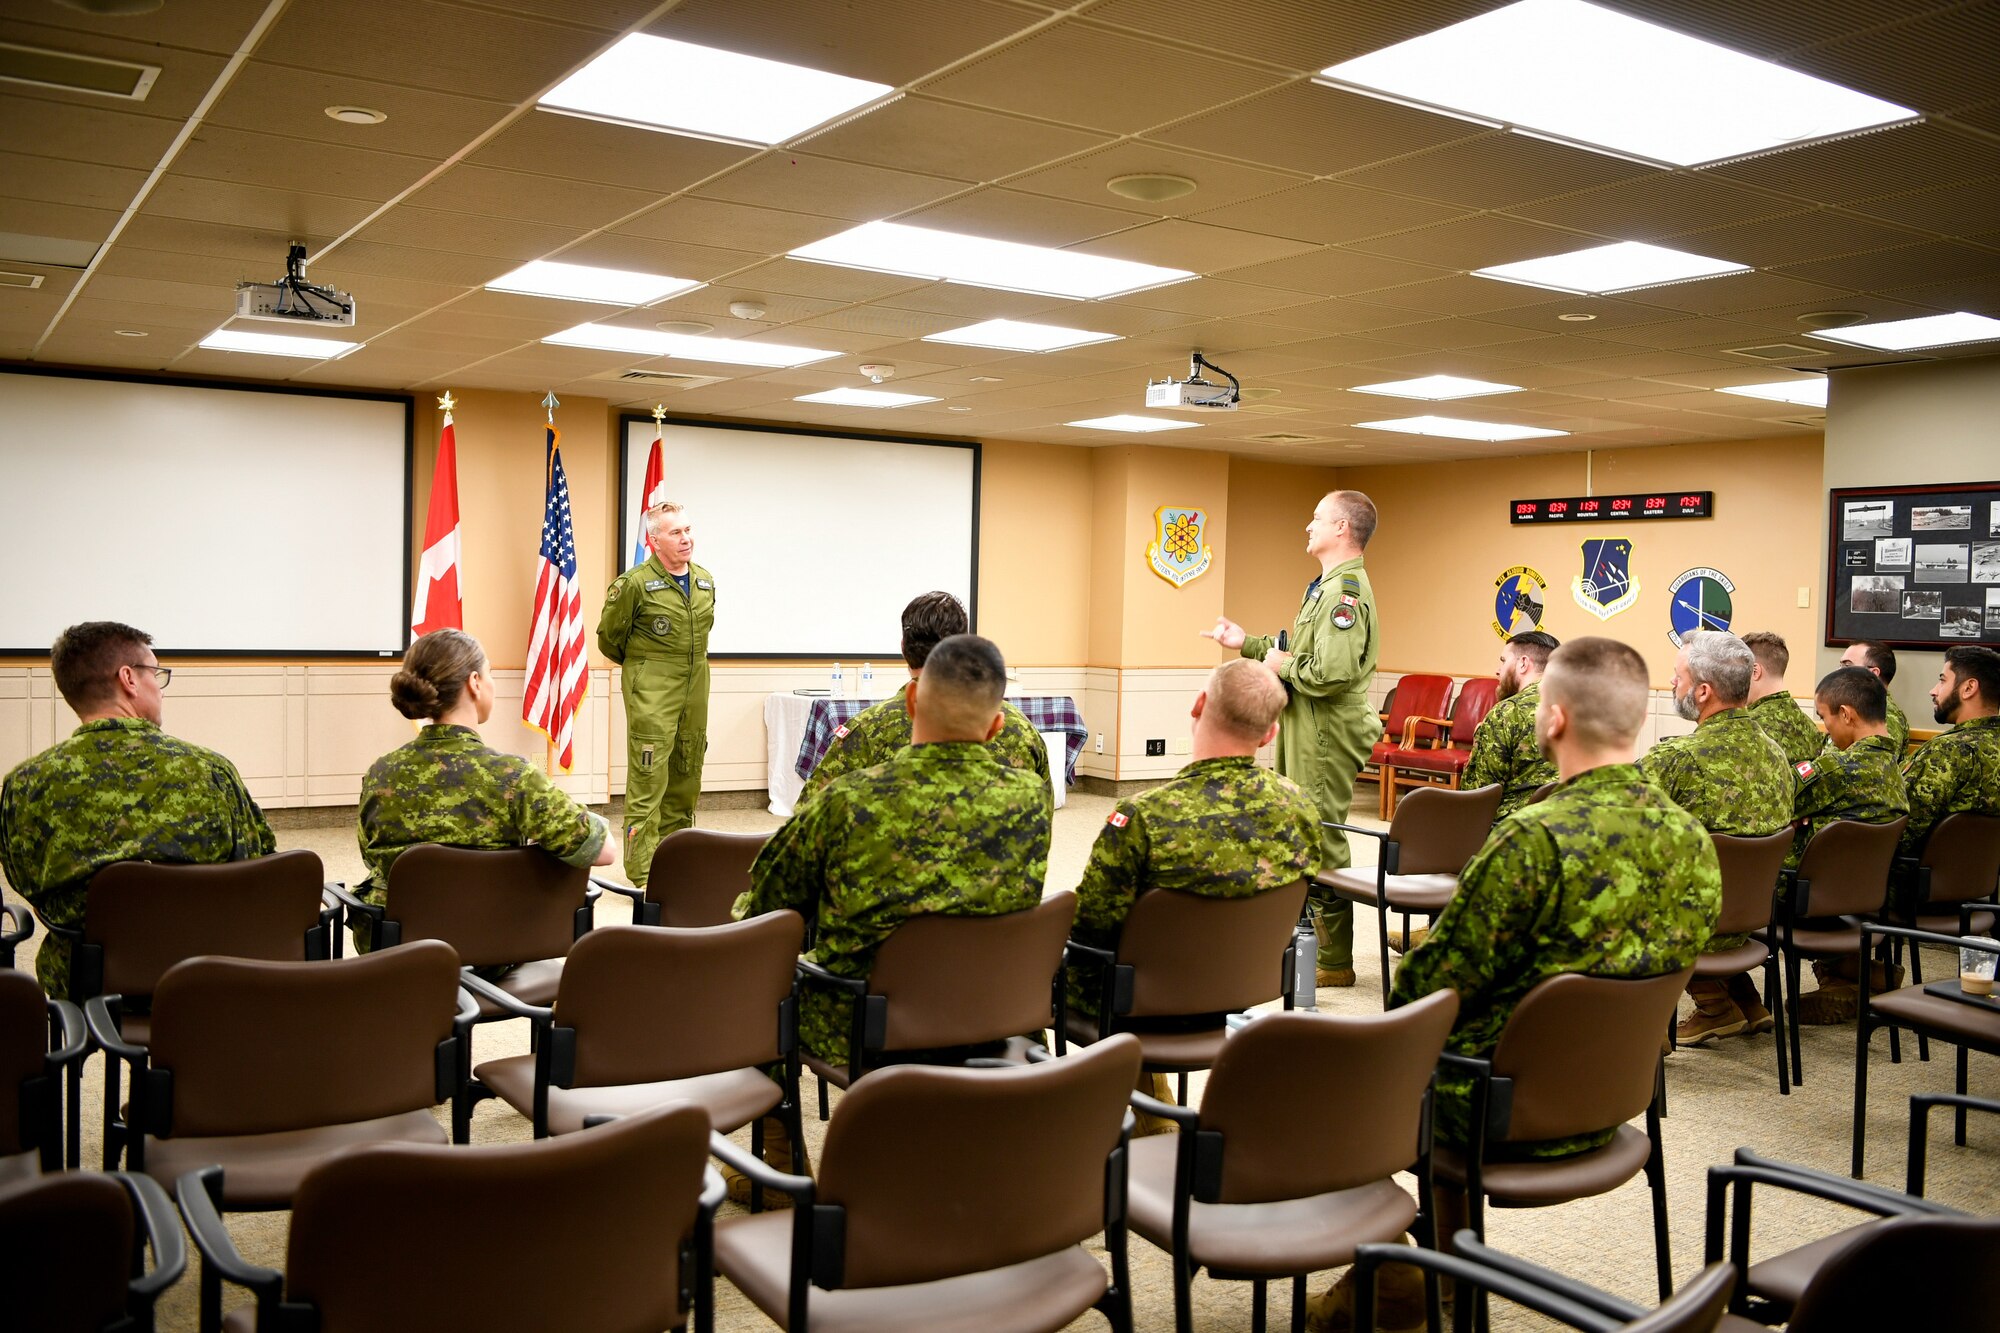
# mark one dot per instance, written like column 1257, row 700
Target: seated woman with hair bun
column 449, row 787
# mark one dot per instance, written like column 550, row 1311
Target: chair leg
column 1182, row 1085
column 1656, row 1177
column 1299, row 1303
column 114, row 1132
column 1382, row 933
column 822, row 1101
column 75, row 1113
column 1183, row 1294
column 1774, row 1000
column 1959, row 1138
column 1258, row 1291
column 1364, row 1305
column 1792, row 985
column 1861, row 1034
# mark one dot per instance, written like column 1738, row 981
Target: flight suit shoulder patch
column 704, row 585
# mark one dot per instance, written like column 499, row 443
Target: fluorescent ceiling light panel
column 1903, row 335
column 276, row 344
column 863, row 398
column 1620, row 267
column 1136, row 425
column 1453, row 428
column 581, row 282
column 975, row 261
column 1594, row 77
column 661, row 84
column 687, row 347
column 1015, row 336
column 1806, row 393
column 1437, row 388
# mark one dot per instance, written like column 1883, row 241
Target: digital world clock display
column 1614, row 508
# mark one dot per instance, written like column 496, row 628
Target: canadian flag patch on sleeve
column 1118, row 819
column 1805, row 769
column 839, row 731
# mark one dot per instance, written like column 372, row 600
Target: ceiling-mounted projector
column 291, row 299
column 1195, row 394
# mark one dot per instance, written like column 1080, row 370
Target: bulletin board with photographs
column 1914, row 566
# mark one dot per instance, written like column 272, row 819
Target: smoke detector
column 747, row 309
column 876, row 372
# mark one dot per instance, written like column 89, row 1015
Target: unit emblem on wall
column 1177, row 552
column 1520, row 598
column 1698, row 599
column 1607, row 585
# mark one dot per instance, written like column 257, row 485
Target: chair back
column 1959, row 1258
column 644, row 1004
column 26, row 1087
column 699, row 873
column 69, row 1244
column 1475, row 700
column 1417, row 696
column 1846, row 869
column 139, row 918
column 589, row 1229
column 1363, row 1076
column 1584, row 1052
column 1542, row 793
column 516, row 905
column 1963, row 857
column 1695, row 1307
column 1750, row 869
column 252, row 1047
column 966, row 980
column 1196, row 955
column 1436, row 831
column 942, row 1171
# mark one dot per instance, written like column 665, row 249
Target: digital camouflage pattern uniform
column 1328, row 726
column 881, row 729
column 1605, row 877
column 1730, row 776
column 1952, row 773
column 118, row 789
column 1899, row 729
column 1784, row 722
column 938, row 828
column 1221, row 828
column 1504, row 751
column 1862, row 782
column 660, row 636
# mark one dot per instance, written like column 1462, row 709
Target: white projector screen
column 816, row 541
column 220, row 520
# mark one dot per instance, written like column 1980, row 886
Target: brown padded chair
column 1843, row 876
column 1949, row 889
column 1286, row 1167
column 948, row 989
column 1948, row 1263
column 1577, row 1054
column 607, row 1230
column 1432, row 836
column 74, row 1245
column 1750, row 870
column 1182, row 965
column 39, row 1039
column 1543, row 792
column 647, row 1016
column 950, row 1199
column 696, row 877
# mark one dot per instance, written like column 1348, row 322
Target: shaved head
column 1245, row 698
column 958, row 694
column 1601, row 686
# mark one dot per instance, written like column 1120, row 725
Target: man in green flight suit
column 655, row 623
column 1732, row 778
column 1504, row 749
column 118, row 789
column 1880, row 658
column 1328, row 726
column 1776, row 711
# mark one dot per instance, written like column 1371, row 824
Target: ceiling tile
column 1298, row 34
column 1869, row 165
column 1032, row 219
column 830, row 282
column 285, row 100
column 945, row 139
column 1655, row 205
column 1735, row 292
column 1335, row 272
column 1215, row 297
column 1965, row 209
column 1931, row 62
column 1905, row 266
column 429, row 44
column 1317, row 130
column 1475, row 242
column 249, row 158
column 465, row 233
column 82, row 184
column 884, row 41
column 1497, row 171
column 86, row 133
column 1217, row 182
column 1175, row 243
column 768, row 231
column 562, row 201
column 572, row 148
column 185, row 76
column 1791, row 238
column 32, row 217
column 1329, row 213
column 972, row 304
column 671, row 258
column 216, row 26
column 401, row 261
column 296, row 213
column 823, row 186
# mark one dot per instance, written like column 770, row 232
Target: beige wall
column 1445, row 538
column 1269, row 505
column 1036, row 520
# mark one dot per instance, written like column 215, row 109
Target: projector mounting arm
column 1197, row 363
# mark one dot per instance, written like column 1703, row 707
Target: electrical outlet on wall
column 1156, row 748
column 1183, row 745
column 1100, row 742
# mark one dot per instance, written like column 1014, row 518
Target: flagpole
column 549, row 405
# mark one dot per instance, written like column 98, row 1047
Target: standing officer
column 1776, row 711
column 1880, row 658
column 655, row 623
column 1328, row 726
column 1504, row 749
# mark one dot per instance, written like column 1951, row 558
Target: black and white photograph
column 1892, row 553
column 1941, row 518
column 1863, row 519
column 1878, row 594
column 1993, row 518
column 1986, row 562
column 1923, row 606
column 1960, row 622
column 1943, row 564
column 1993, row 612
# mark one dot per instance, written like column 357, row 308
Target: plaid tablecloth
column 1048, row 712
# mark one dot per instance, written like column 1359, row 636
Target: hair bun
column 413, row 696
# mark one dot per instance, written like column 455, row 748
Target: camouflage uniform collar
column 1220, row 761
column 1885, row 744
column 950, row 752
column 1977, row 723
column 116, row 724
column 1775, row 696
column 448, row 735
column 1741, row 715
column 1606, row 775
column 1532, row 689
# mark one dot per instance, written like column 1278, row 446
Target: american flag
column 557, row 670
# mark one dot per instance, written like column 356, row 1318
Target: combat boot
column 1744, row 992
column 1161, row 1089
column 1402, row 943
column 1329, row 976
column 778, row 1154
column 1399, row 1302
column 1715, row 1015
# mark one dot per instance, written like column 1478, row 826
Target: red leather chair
column 1414, row 765
column 1416, row 717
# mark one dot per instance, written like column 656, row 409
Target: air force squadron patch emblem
column 1177, row 553
column 1606, row 585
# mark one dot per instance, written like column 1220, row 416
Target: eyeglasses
column 163, row 675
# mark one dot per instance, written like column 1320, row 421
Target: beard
column 1684, row 706
column 1510, row 685
column 1945, row 713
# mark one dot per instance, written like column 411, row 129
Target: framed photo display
column 1914, row 566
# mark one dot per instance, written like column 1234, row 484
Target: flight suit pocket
column 689, row 747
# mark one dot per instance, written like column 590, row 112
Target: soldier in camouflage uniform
column 1879, row 658
column 655, row 623
column 1504, row 749
column 118, row 789
column 448, row 787
column 1605, row 877
column 1776, row 711
column 941, row 827
column 1732, row 778
column 1329, row 726
column 1959, row 770
column 880, row 730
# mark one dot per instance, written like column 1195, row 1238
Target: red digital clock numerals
column 1526, row 507
column 1558, row 507
column 1622, row 502
column 1656, row 502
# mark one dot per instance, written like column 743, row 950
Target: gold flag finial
column 659, row 415
column 551, row 403
column 447, row 402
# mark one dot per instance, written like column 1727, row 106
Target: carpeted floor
column 1720, row 1098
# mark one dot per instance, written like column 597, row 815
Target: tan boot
column 1399, row 1302
column 1416, row 937
column 1161, row 1089
column 1328, row 976
column 1743, row 991
column 778, row 1154
column 1715, row 1014
column 1834, row 1002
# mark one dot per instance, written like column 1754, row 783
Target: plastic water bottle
column 1305, row 990
column 839, row 683
column 868, row 680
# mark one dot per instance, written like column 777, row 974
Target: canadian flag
column 654, row 471
column 438, row 603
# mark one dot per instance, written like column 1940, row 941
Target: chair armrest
column 1870, row 928
column 22, row 927
column 104, row 1028
column 1468, row 1246
column 346, row 898
column 760, row 1171
column 479, row 986
column 1410, row 725
column 809, row 970
column 196, row 1192
column 1921, row 1106
column 622, row 890
column 1877, row 1199
column 1532, row 1295
column 68, row 1019
column 1078, row 946
column 1184, row 1116
column 1379, row 834
column 162, row 1229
